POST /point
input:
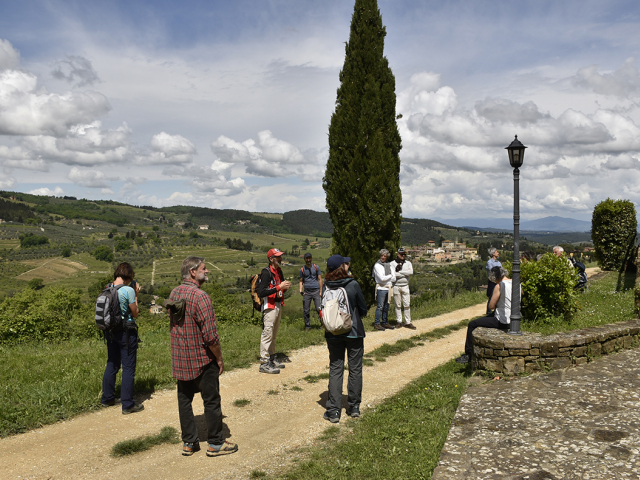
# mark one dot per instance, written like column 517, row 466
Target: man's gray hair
column 559, row 248
column 188, row 264
column 492, row 250
column 384, row 251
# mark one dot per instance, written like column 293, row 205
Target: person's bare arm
column 495, row 297
column 301, row 285
column 217, row 351
column 134, row 306
column 320, row 281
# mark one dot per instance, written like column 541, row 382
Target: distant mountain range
column 546, row 224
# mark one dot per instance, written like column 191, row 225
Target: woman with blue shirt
column 352, row 342
column 122, row 345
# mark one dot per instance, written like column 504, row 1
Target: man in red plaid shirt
column 196, row 359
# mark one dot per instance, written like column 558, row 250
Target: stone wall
column 497, row 351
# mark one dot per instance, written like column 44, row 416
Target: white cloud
column 7, row 182
column 47, row 192
column 168, row 149
column 89, row 178
column 271, row 157
column 624, row 82
column 621, row 162
column 9, row 56
column 27, row 110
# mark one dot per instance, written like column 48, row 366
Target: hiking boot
column 268, row 368
column 136, row 408
column 225, row 449
column 353, row 412
column 388, row 327
column 189, row 449
column 110, row 403
column 410, row 326
column 307, row 329
column 282, row 358
column 463, row 359
column 377, row 326
column 333, row 417
column 276, row 363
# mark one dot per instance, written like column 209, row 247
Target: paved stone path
column 578, row 423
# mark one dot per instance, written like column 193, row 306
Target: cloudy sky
column 226, row 104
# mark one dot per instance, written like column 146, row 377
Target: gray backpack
column 336, row 314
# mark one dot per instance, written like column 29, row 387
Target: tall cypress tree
column 362, row 179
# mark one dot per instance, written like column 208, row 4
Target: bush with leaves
column 548, row 288
column 103, row 253
column 613, row 231
column 47, row 314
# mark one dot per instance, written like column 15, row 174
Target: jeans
column 207, row 383
column 486, row 322
column 382, row 308
column 355, row 350
column 306, row 304
column 119, row 353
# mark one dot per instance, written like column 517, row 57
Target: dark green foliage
column 416, row 231
column 362, row 179
column 28, row 240
column 221, row 219
column 129, row 447
column 238, row 244
column 36, row 283
column 613, row 231
column 308, row 222
column 96, row 287
column 14, row 212
column 548, row 288
column 47, row 314
column 84, row 209
column 122, row 246
column 103, row 253
column 66, row 252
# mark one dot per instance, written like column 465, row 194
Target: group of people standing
column 392, row 281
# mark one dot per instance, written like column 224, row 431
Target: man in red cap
column 271, row 291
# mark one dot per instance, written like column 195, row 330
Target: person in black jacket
column 353, row 342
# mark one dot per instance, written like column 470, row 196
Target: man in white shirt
column 384, row 276
column 401, row 294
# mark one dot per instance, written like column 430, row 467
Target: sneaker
column 136, row 408
column 275, row 363
column 225, row 449
column 189, row 449
column 388, row 327
column 268, row 368
column 353, row 412
column 463, row 359
column 333, row 417
column 410, row 326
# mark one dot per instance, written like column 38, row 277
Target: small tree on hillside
column 362, row 179
column 613, row 231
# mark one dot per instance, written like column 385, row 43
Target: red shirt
column 190, row 339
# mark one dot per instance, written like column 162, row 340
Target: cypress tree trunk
column 362, row 179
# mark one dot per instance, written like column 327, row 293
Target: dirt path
column 268, row 431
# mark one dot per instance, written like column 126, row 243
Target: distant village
column 448, row 251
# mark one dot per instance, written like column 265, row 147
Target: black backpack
column 108, row 311
column 582, row 274
column 255, row 298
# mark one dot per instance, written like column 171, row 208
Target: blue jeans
column 118, row 353
column 383, row 307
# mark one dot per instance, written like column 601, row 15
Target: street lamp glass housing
column 516, row 153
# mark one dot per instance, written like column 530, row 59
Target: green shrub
column 47, row 314
column 28, row 240
column 613, row 231
column 547, row 288
column 123, row 246
column 103, row 253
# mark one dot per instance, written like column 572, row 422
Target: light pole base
column 514, row 327
column 514, row 333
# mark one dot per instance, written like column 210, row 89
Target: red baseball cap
column 274, row 252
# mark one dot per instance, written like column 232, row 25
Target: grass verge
column 410, row 427
column 129, row 447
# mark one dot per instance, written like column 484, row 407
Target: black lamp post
column 516, row 155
